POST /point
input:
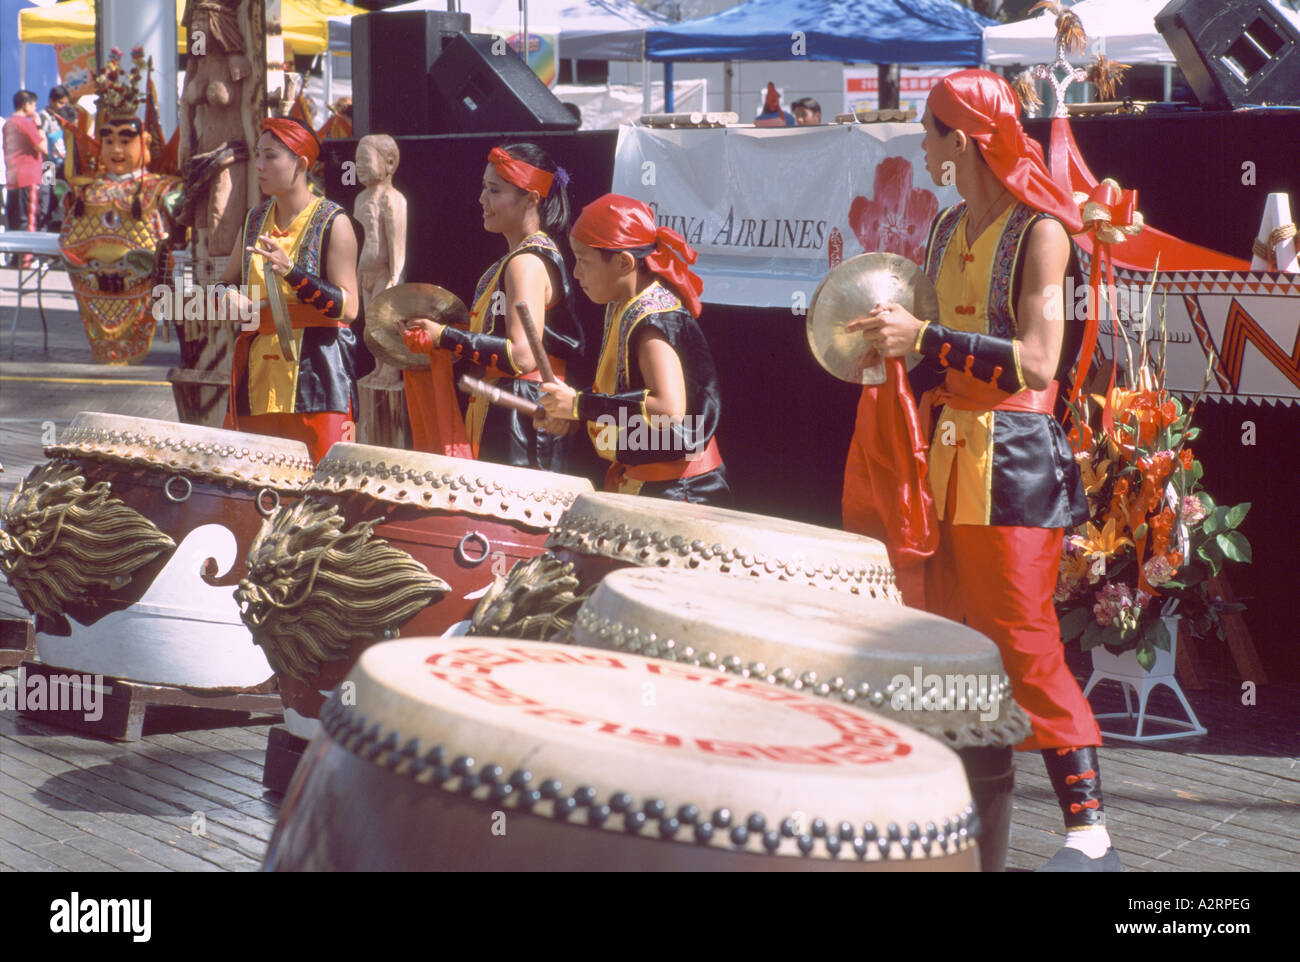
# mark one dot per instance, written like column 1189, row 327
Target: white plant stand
column 1124, row 669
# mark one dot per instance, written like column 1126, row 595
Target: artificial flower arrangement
column 1154, row 535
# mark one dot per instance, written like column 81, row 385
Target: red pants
column 318, row 431
column 999, row 581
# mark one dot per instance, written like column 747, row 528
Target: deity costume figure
column 117, row 220
column 306, row 246
column 654, row 407
column 381, row 209
column 524, row 199
column 1003, row 478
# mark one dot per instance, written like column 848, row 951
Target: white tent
column 1123, row 30
column 588, row 29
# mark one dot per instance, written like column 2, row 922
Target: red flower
column 1186, row 458
column 897, row 217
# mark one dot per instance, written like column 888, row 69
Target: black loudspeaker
column 481, row 85
column 391, row 57
column 1234, row 53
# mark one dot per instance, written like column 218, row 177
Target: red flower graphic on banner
column 897, row 217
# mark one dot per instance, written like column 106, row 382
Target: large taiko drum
column 474, row 753
column 604, row 532
column 386, row 542
column 127, row 546
column 910, row 667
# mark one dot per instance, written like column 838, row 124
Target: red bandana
column 618, row 223
column 294, row 136
column 982, row 105
column 522, row 175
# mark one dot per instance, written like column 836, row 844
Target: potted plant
column 1154, row 535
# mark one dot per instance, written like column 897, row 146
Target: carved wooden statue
column 381, row 209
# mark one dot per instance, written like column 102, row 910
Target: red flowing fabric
column 618, row 223
column 885, row 491
column 522, row 175
column 983, row 106
column 437, row 426
column 295, row 136
column 319, row 431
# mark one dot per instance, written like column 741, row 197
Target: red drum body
column 604, row 532
column 128, row 544
column 912, row 668
column 467, row 753
column 387, row 543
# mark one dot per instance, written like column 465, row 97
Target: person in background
column 773, row 115
column 25, row 149
column 56, row 151
column 807, row 112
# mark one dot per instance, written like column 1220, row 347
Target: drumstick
column 472, row 385
column 535, row 342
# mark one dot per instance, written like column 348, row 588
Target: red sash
column 706, row 461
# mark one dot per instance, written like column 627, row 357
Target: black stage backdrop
column 786, row 424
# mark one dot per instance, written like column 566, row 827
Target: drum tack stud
column 597, row 815
column 501, row 792
column 722, row 817
column 704, row 832
column 620, row 802
column 688, row 814
column 633, row 822
column 668, row 827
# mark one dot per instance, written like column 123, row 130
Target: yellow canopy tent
column 305, row 26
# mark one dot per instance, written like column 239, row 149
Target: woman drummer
column 306, row 245
column 1004, row 481
column 656, row 401
column 524, row 199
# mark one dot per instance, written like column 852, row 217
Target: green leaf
column 1140, row 531
column 1193, row 434
column 1110, row 635
column 1091, row 636
column 1146, row 657
column 1214, row 521
column 1073, row 624
column 1210, row 552
column 1159, row 635
column 1235, row 547
column 1197, row 471
column 1206, row 501
column 1236, row 515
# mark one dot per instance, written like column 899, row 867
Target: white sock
column 1091, row 841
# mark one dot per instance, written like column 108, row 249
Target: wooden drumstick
column 535, row 342
column 472, row 385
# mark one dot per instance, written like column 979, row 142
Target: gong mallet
column 535, row 343
column 494, row 395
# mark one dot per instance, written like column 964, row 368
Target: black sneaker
column 1072, row 860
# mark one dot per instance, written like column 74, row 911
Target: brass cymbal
column 383, row 336
column 849, row 291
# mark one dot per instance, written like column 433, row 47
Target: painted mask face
column 123, row 147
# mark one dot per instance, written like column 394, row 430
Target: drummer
column 656, row 401
column 524, row 199
column 1004, row 482
column 307, row 245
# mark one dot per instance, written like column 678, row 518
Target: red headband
column 983, row 106
column 294, row 136
column 522, row 175
column 618, row 223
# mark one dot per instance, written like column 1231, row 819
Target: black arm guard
column 592, row 407
column 485, row 350
column 991, row 359
column 316, row 292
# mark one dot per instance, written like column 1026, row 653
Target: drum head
column 849, row 291
column 399, row 303
column 913, row 667
column 665, row 746
column 652, row 532
column 533, row 498
column 190, row 449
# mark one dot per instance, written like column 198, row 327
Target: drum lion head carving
column 538, row 599
column 62, row 544
column 315, row 593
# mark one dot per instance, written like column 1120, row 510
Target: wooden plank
column 239, row 762
column 89, row 789
column 51, row 849
column 22, row 861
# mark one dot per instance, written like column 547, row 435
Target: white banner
column 770, row 210
column 862, row 87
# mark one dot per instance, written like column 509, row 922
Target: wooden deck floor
column 188, row 797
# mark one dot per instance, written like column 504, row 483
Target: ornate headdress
column 117, row 89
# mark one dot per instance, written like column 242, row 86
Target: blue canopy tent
column 921, row 32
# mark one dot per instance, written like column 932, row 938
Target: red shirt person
column 25, row 150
